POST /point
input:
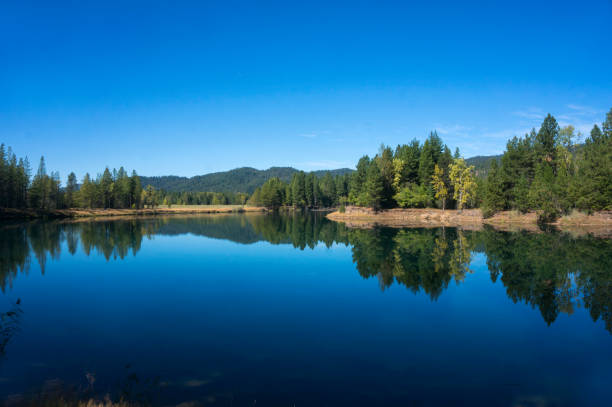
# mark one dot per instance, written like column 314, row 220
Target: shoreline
column 10, row 213
column 598, row 224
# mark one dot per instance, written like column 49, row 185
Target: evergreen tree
column 106, row 188
column 55, row 192
column 327, row 187
column 374, row 187
column 606, row 126
column 135, row 191
column 88, row 192
column 430, row 155
column 271, row 193
column 493, row 199
column 542, row 193
column 357, row 194
column 384, row 161
column 595, row 172
column 546, row 140
column 288, row 196
column 121, row 189
column 298, row 190
column 410, row 155
column 40, row 189
column 71, row 189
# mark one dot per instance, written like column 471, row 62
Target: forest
column 546, row 171
column 244, row 180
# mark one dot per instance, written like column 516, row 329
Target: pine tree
column 542, row 194
column 298, row 189
column 430, row 155
column 547, row 139
column 595, row 171
column 410, row 155
column 374, row 187
column 106, row 188
column 288, row 196
column 135, row 191
column 88, row 192
column 358, row 180
column 327, row 187
column 493, row 199
column 71, row 190
column 385, row 163
column 39, row 191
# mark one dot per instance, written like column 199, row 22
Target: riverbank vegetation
column 44, row 193
column 545, row 171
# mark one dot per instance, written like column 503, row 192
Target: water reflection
column 553, row 272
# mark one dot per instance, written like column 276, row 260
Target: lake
column 296, row 310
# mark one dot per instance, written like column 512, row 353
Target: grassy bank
column 8, row 213
column 599, row 223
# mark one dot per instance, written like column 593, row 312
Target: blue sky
column 189, row 88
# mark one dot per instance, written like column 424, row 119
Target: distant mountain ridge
column 244, row 179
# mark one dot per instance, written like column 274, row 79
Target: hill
column 244, row 179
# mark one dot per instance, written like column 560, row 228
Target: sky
column 187, row 88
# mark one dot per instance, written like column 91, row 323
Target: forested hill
column 246, row 179
column 243, row 179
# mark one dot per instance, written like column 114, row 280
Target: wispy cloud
column 531, row 113
column 583, row 110
column 308, row 135
column 581, row 117
column 456, row 129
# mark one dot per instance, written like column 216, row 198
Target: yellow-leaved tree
column 437, row 181
column 463, row 181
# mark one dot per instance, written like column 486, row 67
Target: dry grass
column 85, row 212
column 598, row 224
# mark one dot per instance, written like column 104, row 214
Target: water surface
column 283, row 310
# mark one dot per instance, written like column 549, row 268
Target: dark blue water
column 295, row 310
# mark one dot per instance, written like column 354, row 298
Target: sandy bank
column 81, row 212
column 599, row 223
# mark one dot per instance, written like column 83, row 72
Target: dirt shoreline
column 8, row 213
column 598, row 224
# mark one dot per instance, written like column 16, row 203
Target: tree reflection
column 553, row 272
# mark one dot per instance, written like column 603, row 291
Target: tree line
column 111, row 189
column 413, row 175
column 306, row 190
column 546, row 171
column 19, row 189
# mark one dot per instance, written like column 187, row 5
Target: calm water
column 266, row 310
